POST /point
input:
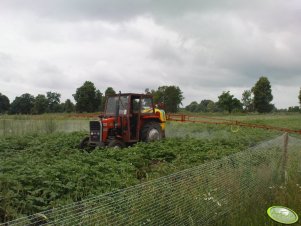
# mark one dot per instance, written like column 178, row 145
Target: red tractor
column 127, row 119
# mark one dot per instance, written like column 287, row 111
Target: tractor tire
column 116, row 144
column 84, row 145
column 151, row 131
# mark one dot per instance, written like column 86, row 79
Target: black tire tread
column 147, row 127
column 84, row 143
column 116, row 142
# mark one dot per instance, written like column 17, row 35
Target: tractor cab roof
column 125, row 103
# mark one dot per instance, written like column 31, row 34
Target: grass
column 47, row 123
column 20, row 127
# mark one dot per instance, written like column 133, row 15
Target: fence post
column 285, row 157
column 182, row 118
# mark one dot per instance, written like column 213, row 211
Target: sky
column 203, row 46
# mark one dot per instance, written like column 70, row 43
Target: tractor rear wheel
column 116, row 144
column 151, row 131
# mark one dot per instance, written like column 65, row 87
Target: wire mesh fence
column 19, row 127
column 235, row 190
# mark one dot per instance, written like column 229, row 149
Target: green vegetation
column 88, row 98
column 169, row 97
column 40, row 104
column 44, row 168
column 228, row 102
column 257, row 99
column 262, row 95
column 22, row 104
column 4, row 103
column 53, row 99
column 49, row 123
column 43, row 171
column 25, row 125
column 247, row 101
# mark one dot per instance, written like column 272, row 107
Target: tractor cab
column 127, row 119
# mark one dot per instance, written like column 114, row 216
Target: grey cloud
column 79, row 9
column 243, row 49
column 7, row 67
column 166, row 54
column 125, row 9
column 5, row 59
column 49, row 76
column 204, row 47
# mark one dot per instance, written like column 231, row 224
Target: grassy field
column 11, row 125
column 41, row 166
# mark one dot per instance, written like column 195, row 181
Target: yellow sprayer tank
column 162, row 117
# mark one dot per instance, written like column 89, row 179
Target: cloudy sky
column 203, row 46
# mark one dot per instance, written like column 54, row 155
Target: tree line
column 87, row 99
column 257, row 99
column 28, row 104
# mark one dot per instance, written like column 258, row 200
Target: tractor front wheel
column 151, row 131
column 116, row 144
column 85, row 145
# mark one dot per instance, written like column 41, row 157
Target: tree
column 211, row 107
column 109, row 91
column 40, row 104
column 227, row 102
column 247, row 100
column 22, row 104
column 300, row 97
column 202, row 106
column 170, row 96
column 69, row 106
column 88, row 98
column 53, row 102
column 4, row 103
column 147, row 91
column 192, row 107
column 99, row 100
column 205, row 104
column 294, row 109
column 263, row 95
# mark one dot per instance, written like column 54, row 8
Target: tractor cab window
column 146, row 105
column 115, row 104
column 135, row 103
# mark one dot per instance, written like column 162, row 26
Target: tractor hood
column 108, row 122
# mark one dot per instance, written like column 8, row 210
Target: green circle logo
column 282, row 214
